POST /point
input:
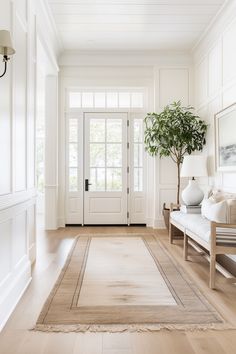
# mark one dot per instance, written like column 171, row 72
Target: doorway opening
column 105, row 179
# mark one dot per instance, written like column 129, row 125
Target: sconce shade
column 194, row 166
column 6, row 43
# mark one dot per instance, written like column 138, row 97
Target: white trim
column 50, row 55
column 50, row 19
column 123, row 58
column 61, row 222
column 9, row 201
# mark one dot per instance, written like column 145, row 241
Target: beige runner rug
column 124, row 282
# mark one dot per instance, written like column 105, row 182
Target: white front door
column 105, row 168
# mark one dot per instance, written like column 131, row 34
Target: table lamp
column 193, row 166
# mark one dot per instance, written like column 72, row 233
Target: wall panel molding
column 17, row 140
column 179, row 80
column 20, row 33
column 15, row 274
column 220, row 78
column 167, row 93
column 9, row 201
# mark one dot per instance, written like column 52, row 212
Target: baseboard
column 159, row 224
column 60, row 222
column 13, row 294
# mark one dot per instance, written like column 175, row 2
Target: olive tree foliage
column 174, row 132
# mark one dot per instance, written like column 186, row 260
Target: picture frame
column 225, row 139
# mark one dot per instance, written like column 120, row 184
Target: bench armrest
column 215, row 234
column 174, row 206
column 223, row 225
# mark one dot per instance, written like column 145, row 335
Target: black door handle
column 87, row 184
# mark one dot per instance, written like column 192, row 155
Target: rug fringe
column 131, row 328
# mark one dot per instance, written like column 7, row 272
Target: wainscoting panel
column 5, row 249
column 17, row 141
column 31, row 225
column 5, row 141
column 168, row 92
column 229, row 95
column 19, row 103
column 201, row 86
column 15, row 265
column 214, row 75
column 216, row 56
column 171, row 84
column 167, row 171
column 167, row 196
column 229, row 53
column 5, row 108
column 19, row 241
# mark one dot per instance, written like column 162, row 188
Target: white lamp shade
column 6, row 43
column 194, row 166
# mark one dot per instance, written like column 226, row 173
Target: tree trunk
column 178, row 184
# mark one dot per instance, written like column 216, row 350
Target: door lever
column 87, row 184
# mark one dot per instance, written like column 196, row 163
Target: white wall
column 17, row 138
column 166, row 76
column 215, row 83
column 171, row 83
column 40, row 122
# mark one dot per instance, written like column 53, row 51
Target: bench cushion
column 193, row 222
column 202, row 228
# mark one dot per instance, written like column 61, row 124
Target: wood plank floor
column 53, row 247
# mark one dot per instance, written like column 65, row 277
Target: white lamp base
column 192, row 194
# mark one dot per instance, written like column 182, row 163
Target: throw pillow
column 214, row 211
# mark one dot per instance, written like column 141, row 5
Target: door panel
column 105, row 168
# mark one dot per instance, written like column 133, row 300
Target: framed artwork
column 225, row 139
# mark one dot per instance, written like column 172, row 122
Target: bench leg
column 212, row 270
column 185, row 247
column 170, row 233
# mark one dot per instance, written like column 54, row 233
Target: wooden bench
column 216, row 238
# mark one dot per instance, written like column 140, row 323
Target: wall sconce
column 5, row 48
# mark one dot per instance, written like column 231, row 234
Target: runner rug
column 124, row 282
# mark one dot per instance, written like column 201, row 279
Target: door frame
column 71, row 205
column 74, row 201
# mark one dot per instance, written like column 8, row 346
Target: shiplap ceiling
column 132, row 24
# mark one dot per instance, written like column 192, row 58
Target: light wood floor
column 52, row 251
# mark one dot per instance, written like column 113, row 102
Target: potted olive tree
column 174, row 132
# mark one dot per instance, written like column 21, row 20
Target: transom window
column 106, row 99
